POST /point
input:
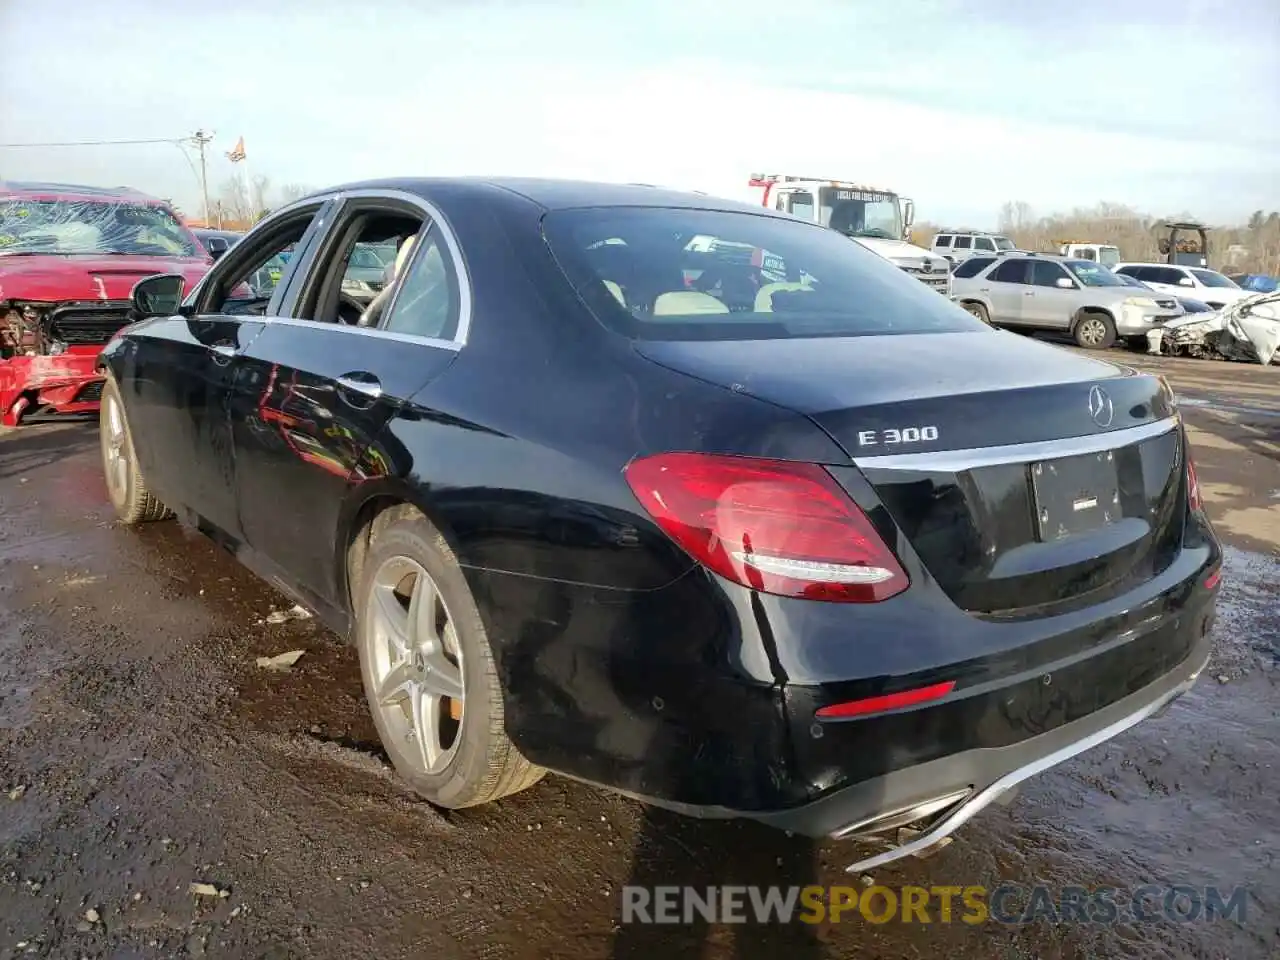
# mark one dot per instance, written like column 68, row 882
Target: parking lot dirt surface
column 143, row 751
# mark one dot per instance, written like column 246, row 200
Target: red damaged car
column 69, row 257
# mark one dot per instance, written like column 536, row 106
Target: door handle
column 1028, row 293
column 364, row 384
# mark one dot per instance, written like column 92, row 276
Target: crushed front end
column 48, row 355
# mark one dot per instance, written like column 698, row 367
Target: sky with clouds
column 1167, row 105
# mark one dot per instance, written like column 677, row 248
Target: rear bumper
column 974, row 779
column 67, row 383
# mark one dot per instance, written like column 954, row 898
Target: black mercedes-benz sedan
column 688, row 499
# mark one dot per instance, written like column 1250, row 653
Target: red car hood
column 71, row 277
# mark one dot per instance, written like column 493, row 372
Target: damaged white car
column 1247, row 330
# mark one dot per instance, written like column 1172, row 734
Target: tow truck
column 877, row 218
column 1106, row 254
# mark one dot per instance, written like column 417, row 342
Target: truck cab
column 878, row 219
column 1103, row 254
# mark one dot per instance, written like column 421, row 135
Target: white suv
column 1208, row 286
column 960, row 246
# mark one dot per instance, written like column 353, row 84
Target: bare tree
column 290, row 192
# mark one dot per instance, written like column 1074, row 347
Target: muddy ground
column 142, row 750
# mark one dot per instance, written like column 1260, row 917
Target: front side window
column 1211, row 278
column 984, row 243
column 964, row 243
column 1046, row 273
column 428, row 302
column 800, row 205
column 1012, row 271
column 1093, row 275
column 676, row 274
column 942, row 240
column 93, row 227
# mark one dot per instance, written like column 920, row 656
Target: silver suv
column 1079, row 297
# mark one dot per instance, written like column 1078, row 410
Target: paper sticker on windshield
column 861, row 195
column 6, row 239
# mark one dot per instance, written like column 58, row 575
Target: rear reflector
column 1212, row 579
column 886, row 702
column 775, row 526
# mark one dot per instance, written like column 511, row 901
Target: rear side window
column 942, row 240
column 659, row 273
column 964, row 242
column 973, row 266
column 427, row 303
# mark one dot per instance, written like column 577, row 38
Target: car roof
column 553, row 194
column 1149, row 263
column 36, row 190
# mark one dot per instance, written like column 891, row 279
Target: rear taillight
column 1193, row 485
column 775, row 526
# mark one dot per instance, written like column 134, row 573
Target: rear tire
column 1094, row 331
column 126, row 486
column 452, row 750
column 977, row 310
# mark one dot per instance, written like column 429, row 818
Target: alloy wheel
column 416, row 664
column 117, row 462
column 1092, row 331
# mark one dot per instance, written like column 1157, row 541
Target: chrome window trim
column 436, row 221
column 957, row 461
column 366, row 332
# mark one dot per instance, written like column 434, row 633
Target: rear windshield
column 657, row 273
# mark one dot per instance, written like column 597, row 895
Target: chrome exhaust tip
column 901, row 817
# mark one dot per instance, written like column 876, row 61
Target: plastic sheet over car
column 1247, row 330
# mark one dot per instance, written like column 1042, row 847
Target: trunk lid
column 1025, row 477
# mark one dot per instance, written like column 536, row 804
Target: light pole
column 200, row 139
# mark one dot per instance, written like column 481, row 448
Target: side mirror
column 908, row 213
column 1185, row 282
column 216, row 246
column 1066, row 283
column 158, row 296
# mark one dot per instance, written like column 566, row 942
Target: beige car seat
column 764, row 296
column 682, row 303
column 373, row 311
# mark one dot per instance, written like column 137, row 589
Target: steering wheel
column 349, row 309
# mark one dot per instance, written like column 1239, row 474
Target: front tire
column 1095, row 331
column 428, row 670
column 126, row 486
column 977, row 310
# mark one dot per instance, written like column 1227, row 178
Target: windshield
column 1211, row 278
column 674, row 274
column 1003, row 243
column 861, row 213
column 92, row 227
column 1093, row 274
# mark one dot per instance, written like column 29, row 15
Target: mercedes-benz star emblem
column 1100, row 407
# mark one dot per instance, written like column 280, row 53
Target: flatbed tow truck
column 878, row 219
